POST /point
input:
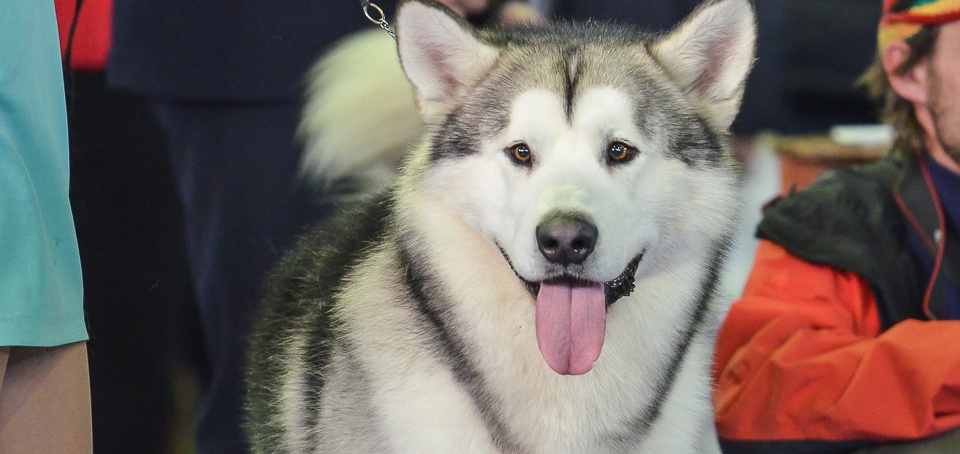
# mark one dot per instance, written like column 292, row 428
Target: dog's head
column 588, row 154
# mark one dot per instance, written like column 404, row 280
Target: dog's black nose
column 566, row 239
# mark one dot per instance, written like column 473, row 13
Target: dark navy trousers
column 235, row 167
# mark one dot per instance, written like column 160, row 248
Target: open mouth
column 571, row 316
column 619, row 287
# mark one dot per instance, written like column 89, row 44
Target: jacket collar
column 918, row 200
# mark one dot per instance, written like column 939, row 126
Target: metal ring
column 366, row 12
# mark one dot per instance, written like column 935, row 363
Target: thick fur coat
column 542, row 275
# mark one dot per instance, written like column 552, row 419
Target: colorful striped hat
column 904, row 18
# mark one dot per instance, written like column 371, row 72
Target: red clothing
column 802, row 357
column 91, row 42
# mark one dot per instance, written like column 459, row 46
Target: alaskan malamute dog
column 541, row 277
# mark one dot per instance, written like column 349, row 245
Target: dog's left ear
column 441, row 55
column 710, row 54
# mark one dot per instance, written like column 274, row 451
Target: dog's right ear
column 710, row 55
column 441, row 55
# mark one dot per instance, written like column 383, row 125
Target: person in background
column 132, row 253
column 226, row 82
column 847, row 335
column 44, row 381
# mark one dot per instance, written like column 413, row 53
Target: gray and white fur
column 418, row 322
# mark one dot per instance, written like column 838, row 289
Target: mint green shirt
column 41, row 292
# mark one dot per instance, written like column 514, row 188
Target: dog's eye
column 520, row 153
column 619, row 153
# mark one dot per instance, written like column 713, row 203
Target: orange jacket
column 802, row 357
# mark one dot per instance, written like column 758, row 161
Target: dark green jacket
column 850, row 219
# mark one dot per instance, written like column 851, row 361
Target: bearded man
column 847, row 335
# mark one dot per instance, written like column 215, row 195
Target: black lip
column 621, row 286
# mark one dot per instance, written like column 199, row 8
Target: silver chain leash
column 377, row 17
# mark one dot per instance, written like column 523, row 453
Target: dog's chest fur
column 454, row 361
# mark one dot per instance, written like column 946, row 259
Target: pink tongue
column 570, row 324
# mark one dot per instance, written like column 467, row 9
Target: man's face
column 943, row 99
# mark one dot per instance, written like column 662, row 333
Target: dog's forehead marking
column 571, row 63
column 592, row 83
column 536, row 111
column 570, row 69
column 605, row 108
column 601, row 114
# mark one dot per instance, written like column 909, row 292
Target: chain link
column 380, row 19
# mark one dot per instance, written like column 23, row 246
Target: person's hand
column 467, row 7
column 517, row 13
column 511, row 14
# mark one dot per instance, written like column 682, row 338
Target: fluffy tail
column 360, row 117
